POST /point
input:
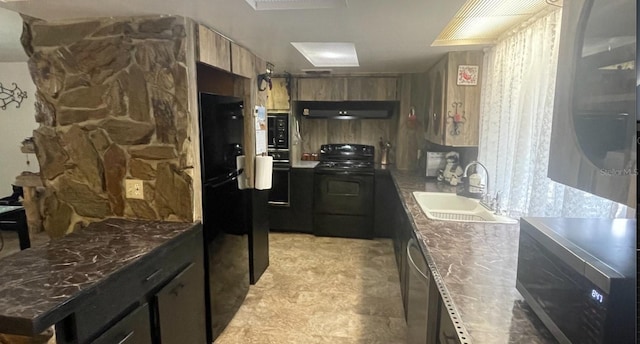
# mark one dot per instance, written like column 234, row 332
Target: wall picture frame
column 467, row 75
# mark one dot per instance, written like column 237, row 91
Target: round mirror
column 604, row 99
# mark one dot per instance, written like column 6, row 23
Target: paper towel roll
column 264, row 171
column 242, row 178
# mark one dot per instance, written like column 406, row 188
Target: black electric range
column 344, row 191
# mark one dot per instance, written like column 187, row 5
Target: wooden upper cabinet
column 454, row 116
column 372, row 88
column 593, row 135
column 242, row 62
column 347, row 88
column 213, row 49
column 437, row 101
column 278, row 95
column 322, row 89
column 420, row 87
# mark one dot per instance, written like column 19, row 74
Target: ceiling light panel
column 483, row 21
column 328, row 54
column 265, row 5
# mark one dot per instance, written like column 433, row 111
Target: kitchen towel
column 264, row 170
column 242, row 178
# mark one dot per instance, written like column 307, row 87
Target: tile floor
column 322, row 290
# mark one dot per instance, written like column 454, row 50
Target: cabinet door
column 404, row 237
column 278, row 95
column 298, row 216
column 447, row 333
column 133, row 329
column 242, row 61
column 372, row 88
column 384, row 205
column 436, row 133
column 463, row 100
column 426, row 106
column 213, row 49
column 181, row 313
column 322, row 89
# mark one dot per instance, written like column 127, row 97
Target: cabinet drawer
column 155, row 271
column 133, row 329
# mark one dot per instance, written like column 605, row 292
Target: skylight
column 264, row 5
column 483, row 21
column 328, row 54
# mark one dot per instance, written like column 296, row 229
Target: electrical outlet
column 135, row 188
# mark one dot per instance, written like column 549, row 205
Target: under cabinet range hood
column 346, row 109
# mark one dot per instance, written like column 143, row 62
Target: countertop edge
column 461, row 331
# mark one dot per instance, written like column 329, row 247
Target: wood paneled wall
column 316, row 132
column 405, row 138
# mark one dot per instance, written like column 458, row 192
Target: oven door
column 343, row 193
column 279, row 193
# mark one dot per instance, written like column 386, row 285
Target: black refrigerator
column 235, row 228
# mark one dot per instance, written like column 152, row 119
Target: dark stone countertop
column 476, row 266
column 38, row 286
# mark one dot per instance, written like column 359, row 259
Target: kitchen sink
column 451, row 207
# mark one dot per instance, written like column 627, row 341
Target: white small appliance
column 435, row 161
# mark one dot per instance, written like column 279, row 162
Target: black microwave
column 579, row 277
column 278, row 130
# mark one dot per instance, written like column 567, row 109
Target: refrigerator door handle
column 221, row 180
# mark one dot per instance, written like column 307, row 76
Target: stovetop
column 346, row 164
column 346, row 152
column 346, row 157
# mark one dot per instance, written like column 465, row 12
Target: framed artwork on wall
column 467, row 75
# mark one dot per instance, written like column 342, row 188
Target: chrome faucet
column 487, row 201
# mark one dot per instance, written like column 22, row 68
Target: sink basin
column 451, row 207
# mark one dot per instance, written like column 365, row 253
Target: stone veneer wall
column 112, row 104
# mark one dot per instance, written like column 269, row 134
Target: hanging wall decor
column 8, row 96
column 457, row 118
column 467, row 75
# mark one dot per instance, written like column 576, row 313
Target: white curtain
column 515, row 129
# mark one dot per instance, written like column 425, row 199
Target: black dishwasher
column 422, row 294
